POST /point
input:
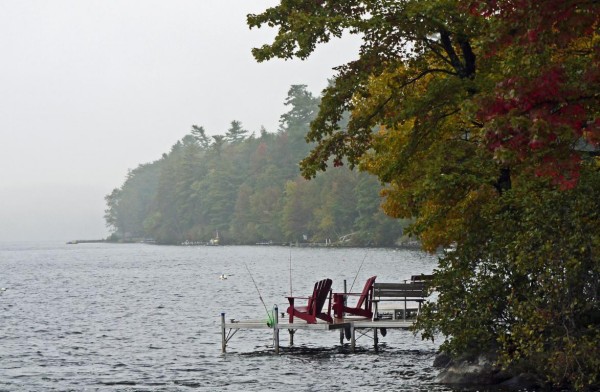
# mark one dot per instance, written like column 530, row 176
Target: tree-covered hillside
column 248, row 188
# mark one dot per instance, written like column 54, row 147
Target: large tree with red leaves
column 482, row 119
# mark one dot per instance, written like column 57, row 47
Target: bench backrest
column 421, row 278
column 400, row 290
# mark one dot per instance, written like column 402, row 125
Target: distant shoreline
column 415, row 245
column 75, row 242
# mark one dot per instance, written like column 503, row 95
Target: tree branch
column 454, row 60
column 407, row 83
column 431, row 47
column 468, row 56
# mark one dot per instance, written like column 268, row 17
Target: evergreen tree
column 200, row 134
column 236, row 133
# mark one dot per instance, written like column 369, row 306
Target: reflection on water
column 146, row 317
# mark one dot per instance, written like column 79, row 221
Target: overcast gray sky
column 90, row 89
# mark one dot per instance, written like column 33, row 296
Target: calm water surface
column 147, row 317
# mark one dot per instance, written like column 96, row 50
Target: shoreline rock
column 480, row 370
column 477, row 371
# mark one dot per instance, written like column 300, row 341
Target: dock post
column 276, row 329
column 291, row 332
column 342, row 330
column 375, row 340
column 353, row 338
column 223, row 339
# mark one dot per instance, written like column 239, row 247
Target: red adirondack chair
column 314, row 309
column 364, row 305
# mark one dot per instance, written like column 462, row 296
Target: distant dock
column 75, row 242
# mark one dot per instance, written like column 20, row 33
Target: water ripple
column 143, row 317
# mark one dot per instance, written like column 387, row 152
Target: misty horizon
column 92, row 90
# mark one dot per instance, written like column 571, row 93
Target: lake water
column 147, row 317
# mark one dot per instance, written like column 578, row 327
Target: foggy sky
column 90, row 89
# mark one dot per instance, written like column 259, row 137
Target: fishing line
column 257, row 290
column 359, row 268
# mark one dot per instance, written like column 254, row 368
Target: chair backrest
column 320, row 292
column 367, row 293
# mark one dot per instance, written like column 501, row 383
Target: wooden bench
column 421, row 278
column 395, row 297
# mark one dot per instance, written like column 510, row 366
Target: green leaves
column 303, row 25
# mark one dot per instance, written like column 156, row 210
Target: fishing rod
column 359, row 268
column 257, row 290
column 291, row 269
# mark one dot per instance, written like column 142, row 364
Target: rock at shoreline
column 523, row 380
column 477, row 371
column 442, row 360
column 480, row 371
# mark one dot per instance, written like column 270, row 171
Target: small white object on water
column 223, row 277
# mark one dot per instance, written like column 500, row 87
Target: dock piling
column 223, row 338
column 276, row 329
column 341, row 330
column 353, row 338
column 375, row 340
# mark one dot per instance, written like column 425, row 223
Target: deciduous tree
column 482, row 119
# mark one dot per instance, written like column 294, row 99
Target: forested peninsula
column 247, row 189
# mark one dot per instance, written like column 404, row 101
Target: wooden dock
column 348, row 327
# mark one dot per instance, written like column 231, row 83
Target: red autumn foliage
column 541, row 118
column 535, row 21
column 547, row 107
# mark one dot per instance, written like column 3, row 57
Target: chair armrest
column 354, row 294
